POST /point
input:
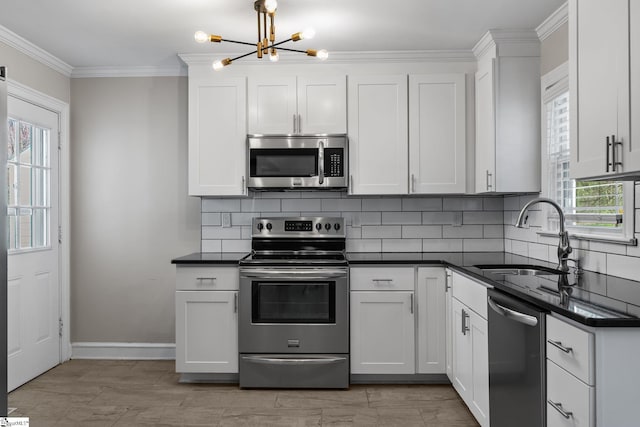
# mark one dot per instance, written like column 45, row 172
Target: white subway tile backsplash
column 342, row 205
column 438, row 217
column 539, row 251
column 241, row 218
column 379, row 205
column 483, row 245
column 623, row 266
column 220, row 233
column 364, row 245
column 493, row 231
column 302, row 205
column 462, row 204
column 353, row 233
column 488, row 217
column 261, row 205
column 211, row 218
column 609, row 248
column 381, row 232
column 401, row 245
column 421, row 232
column 441, row 245
column 512, row 203
column 519, row 248
column 493, row 204
column 278, row 194
column 236, row 245
column 220, row 205
column 358, row 219
column 466, row 231
column 401, row 217
column 211, row 246
column 422, row 204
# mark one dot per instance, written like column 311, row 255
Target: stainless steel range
column 293, row 310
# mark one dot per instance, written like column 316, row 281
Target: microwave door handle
column 320, row 161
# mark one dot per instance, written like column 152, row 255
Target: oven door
column 293, row 310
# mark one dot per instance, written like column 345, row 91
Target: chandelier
column 266, row 45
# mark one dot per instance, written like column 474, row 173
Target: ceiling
column 137, row 33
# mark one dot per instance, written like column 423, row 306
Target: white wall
column 130, row 210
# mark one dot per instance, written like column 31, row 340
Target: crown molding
column 345, row 57
column 137, row 71
column 23, row 45
column 553, row 22
column 526, row 42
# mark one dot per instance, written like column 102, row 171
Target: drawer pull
column 558, row 344
column 377, row 281
column 206, row 278
column 558, row 407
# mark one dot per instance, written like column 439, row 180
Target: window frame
column 553, row 84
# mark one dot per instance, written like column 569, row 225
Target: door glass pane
column 39, row 228
column 24, row 186
column 26, row 132
column 25, row 223
column 12, row 184
column 12, row 232
column 11, row 147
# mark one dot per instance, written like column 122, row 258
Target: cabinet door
column 599, row 78
column 206, row 331
column 431, row 307
column 437, row 133
column 449, row 326
column 485, row 127
column 272, row 105
column 479, row 405
column 322, row 104
column 632, row 155
column 378, row 134
column 462, row 356
column 217, row 136
column 382, row 333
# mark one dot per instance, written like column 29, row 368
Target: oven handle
column 321, row 161
column 280, row 274
column 293, row 360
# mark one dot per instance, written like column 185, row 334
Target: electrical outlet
column 226, row 219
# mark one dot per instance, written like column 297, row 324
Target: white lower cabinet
column 382, row 320
column 431, row 328
column 207, row 319
column 470, row 346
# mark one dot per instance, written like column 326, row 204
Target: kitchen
column 142, row 216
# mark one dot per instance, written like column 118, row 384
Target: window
column 28, row 181
column 593, row 209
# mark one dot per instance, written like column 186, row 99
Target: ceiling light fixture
column 266, row 45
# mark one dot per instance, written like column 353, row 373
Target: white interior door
column 33, row 261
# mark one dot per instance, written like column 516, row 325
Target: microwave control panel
column 333, row 162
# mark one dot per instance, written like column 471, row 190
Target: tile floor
column 147, row 393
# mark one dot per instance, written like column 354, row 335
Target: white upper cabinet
column 297, row 105
column 378, row 134
column 508, row 112
column 437, row 133
column 217, row 136
column 604, row 58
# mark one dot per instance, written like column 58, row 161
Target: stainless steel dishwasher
column 517, row 362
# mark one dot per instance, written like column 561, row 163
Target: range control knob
column 318, row 226
column 327, row 227
column 269, row 226
column 260, row 226
column 336, row 226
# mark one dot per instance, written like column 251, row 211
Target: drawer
column 578, row 354
column 381, row 279
column 567, row 393
column 470, row 293
column 198, row 278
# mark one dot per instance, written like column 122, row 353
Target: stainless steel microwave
column 280, row 162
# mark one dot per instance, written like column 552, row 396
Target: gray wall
column 34, row 74
column 130, row 212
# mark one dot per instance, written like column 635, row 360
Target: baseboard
column 123, row 351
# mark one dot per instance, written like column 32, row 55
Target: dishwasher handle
column 512, row 314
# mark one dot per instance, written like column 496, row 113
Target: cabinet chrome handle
column 465, row 328
column 608, row 147
column 413, row 183
column 447, row 286
column 294, row 124
column 377, row 281
column 614, row 150
column 243, row 186
column 299, row 123
column 320, row 161
column 558, row 344
column 558, row 407
column 235, row 302
column 351, row 184
column 411, row 306
column 489, row 175
column 210, row 279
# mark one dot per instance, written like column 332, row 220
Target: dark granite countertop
column 592, row 299
column 229, row 258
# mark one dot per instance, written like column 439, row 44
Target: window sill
column 602, row 239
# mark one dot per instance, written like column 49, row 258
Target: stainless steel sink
column 519, row 269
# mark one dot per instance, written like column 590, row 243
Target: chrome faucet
column 564, row 248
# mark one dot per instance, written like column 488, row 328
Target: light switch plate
column 226, row 219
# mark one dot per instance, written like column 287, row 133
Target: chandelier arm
column 243, row 56
column 279, row 43
column 238, row 42
column 292, row 50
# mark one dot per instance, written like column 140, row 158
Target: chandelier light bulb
column 322, row 54
column 270, row 5
column 274, row 57
column 201, row 37
column 219, row 65
column 308, row 34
